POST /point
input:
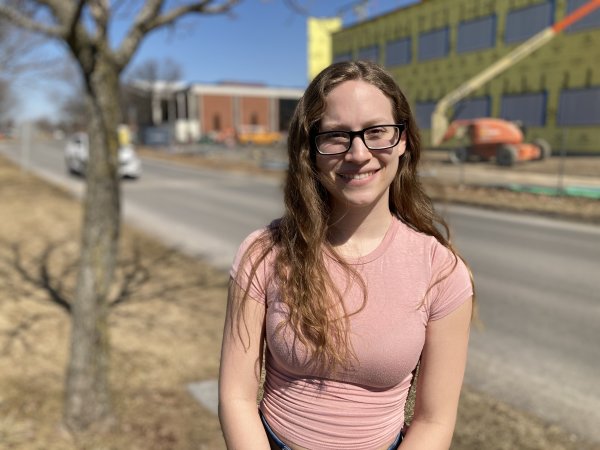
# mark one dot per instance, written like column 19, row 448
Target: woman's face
column 360, row 177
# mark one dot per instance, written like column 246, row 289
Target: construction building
column 433, row 46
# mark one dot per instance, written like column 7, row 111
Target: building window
column 165, row 107
column 529, row 109
column 398, row 52
column 579, row 107
column 347, row 56
column 370, row 53
column 592, row 20
column 472, row 108
column 423, row 112
column 476, row 34
column 524, row 23
column 217, row 123
column 434, row 44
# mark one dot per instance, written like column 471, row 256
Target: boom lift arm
column 439, row 121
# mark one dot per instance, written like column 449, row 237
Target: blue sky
column 264, row 42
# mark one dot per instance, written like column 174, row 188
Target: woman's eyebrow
column 337, row 126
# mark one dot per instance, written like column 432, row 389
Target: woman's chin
column 358, row 201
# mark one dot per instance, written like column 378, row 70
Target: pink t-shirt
column 362, row 407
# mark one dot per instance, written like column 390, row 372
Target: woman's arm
column 440, row 379
column 239, row 377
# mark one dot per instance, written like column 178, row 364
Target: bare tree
column 20, row 60
column 152, row 70
column 7, row 101
column 83, row 26
column 9, row 57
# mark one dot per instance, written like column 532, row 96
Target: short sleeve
column 455, row 286
column 243, row 262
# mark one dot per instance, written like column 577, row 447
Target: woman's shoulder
column 415, row 242
column 265, row 232
column 251, row 238
column 412, row 237
column 256, row 243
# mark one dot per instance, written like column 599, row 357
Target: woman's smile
column 357, row 177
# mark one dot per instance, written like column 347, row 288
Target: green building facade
column 434, row 46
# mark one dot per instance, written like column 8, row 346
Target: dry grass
column 159, row 344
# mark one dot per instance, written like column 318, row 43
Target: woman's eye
column 374, row 132
column 336, row 137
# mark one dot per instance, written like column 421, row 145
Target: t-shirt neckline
column 380, row 249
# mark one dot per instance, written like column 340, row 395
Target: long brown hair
column 299, row 238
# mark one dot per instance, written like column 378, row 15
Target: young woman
column 349, row 290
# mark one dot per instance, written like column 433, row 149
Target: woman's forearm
column 241, row 426
column 428, row 435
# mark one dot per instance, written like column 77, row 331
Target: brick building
column 240, row 107
column 171, row 112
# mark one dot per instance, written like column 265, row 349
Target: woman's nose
column 358, row 151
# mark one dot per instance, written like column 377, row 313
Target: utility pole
column 25, row 145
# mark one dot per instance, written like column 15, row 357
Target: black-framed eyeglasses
column 377, row 137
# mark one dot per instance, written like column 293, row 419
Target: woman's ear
column 402, row 144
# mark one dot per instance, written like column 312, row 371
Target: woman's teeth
column 356, row 176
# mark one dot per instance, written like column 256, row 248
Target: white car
column 77, row 154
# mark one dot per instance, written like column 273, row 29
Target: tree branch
column 71, row 22
column 100, row 11
column 202, row 7
column 135, row 275
column 20, row 20
column 43, row 280
column 46, row 281
column 137, row 31
column 19, row 331
column 150, row 19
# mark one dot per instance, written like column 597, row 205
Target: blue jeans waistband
column 282, row 445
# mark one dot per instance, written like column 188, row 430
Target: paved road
column 211, row 212
column 539, row 294
column 537, row 279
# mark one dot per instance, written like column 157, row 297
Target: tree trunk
column 88, row 400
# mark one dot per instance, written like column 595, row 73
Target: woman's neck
column 356, row 232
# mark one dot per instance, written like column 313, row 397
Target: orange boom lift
column 496, row 138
